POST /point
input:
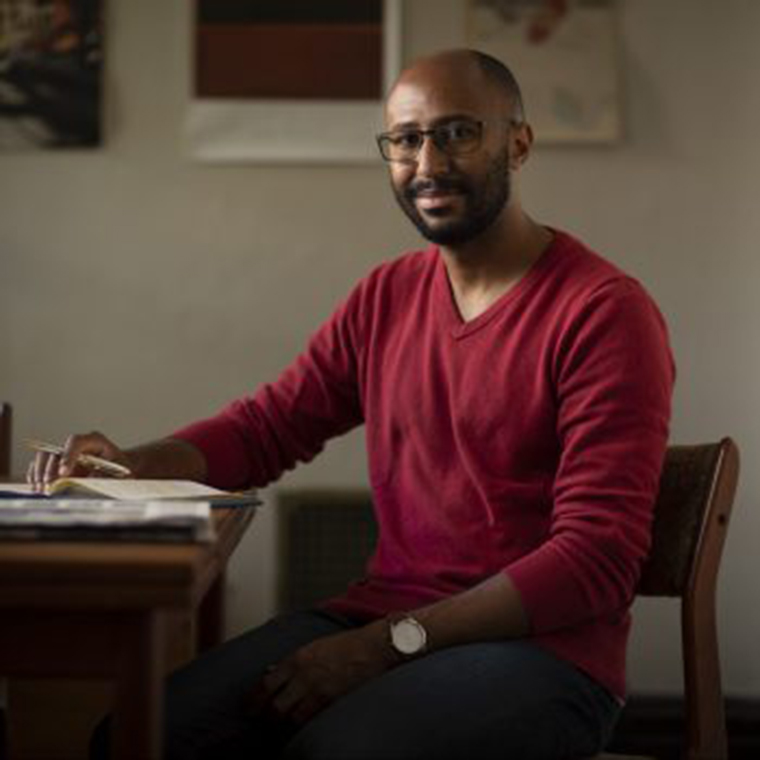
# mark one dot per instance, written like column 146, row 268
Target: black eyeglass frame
column 384, row 138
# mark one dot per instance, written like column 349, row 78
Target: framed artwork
column 564, row 53
column 50, row 74
column 291, row 80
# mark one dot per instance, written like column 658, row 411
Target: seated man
column 515, row 389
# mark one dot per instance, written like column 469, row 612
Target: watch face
column 408, row 636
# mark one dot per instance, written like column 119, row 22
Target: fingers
column 50, row 468
column 285, row 695
column 307, row 708
column 282, row 695
column 92, row 443
column 38, row 467
column 46, row 468
column 42, row 470
column 317, row 674
column 266, row 688
column 288, row 697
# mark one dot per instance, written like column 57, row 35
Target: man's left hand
column 317, row 674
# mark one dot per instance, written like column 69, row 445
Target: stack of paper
column 100, row 520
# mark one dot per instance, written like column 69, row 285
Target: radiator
column 325, row 537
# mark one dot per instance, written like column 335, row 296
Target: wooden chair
column 691, row 518
column 5, row 440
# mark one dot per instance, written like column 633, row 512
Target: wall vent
column 325, row 537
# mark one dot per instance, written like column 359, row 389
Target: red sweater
column 528, row 440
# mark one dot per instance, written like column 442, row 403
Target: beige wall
column 139, row 290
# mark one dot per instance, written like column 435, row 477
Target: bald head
column 465, row 70
column 455, row 137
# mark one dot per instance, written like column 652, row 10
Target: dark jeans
column 490, row 700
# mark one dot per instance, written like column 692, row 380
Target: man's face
column 451, row 199
column 456, row 206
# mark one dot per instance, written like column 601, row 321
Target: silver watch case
column 408, row 636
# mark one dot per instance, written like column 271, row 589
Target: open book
column 130, row 489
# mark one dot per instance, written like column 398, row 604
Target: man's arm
column 490, row 611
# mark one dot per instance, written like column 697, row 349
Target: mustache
column 436, row 185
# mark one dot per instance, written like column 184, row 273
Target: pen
column 97, row 463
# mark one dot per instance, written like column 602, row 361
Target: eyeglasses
column 457, row 137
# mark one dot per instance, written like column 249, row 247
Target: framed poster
column 564, row 55
column 291, row 80
column 50, row 74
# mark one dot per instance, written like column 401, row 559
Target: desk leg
column 138, row 713
column 210, row 620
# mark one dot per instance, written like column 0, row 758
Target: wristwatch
column 408, row 636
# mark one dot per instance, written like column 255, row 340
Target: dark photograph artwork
column 50, row 73
column 289, row 49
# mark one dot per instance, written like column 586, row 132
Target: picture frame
column 294, row 130
column 566, row 57
column 51, row 54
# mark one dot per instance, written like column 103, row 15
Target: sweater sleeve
column 255, row 439
column 613, row 375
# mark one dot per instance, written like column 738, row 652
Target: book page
column 20, row 489
column 140, row 490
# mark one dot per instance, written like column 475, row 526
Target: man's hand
column 317, row 674
column 165, row 458
column 45, row 468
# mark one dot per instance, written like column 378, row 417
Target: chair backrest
column 693, row 508
column 691, row 516
column 5, row 439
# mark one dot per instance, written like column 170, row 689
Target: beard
column 483, row 202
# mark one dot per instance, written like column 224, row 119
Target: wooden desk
column 101, row 610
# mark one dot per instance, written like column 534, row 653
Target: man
column 515, row 389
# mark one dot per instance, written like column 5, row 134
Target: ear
column 521, row 142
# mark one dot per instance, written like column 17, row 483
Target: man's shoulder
column 583, row 263
column 583, row 271
column 588, row 287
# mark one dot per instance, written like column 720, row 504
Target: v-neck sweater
column 528, row 440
